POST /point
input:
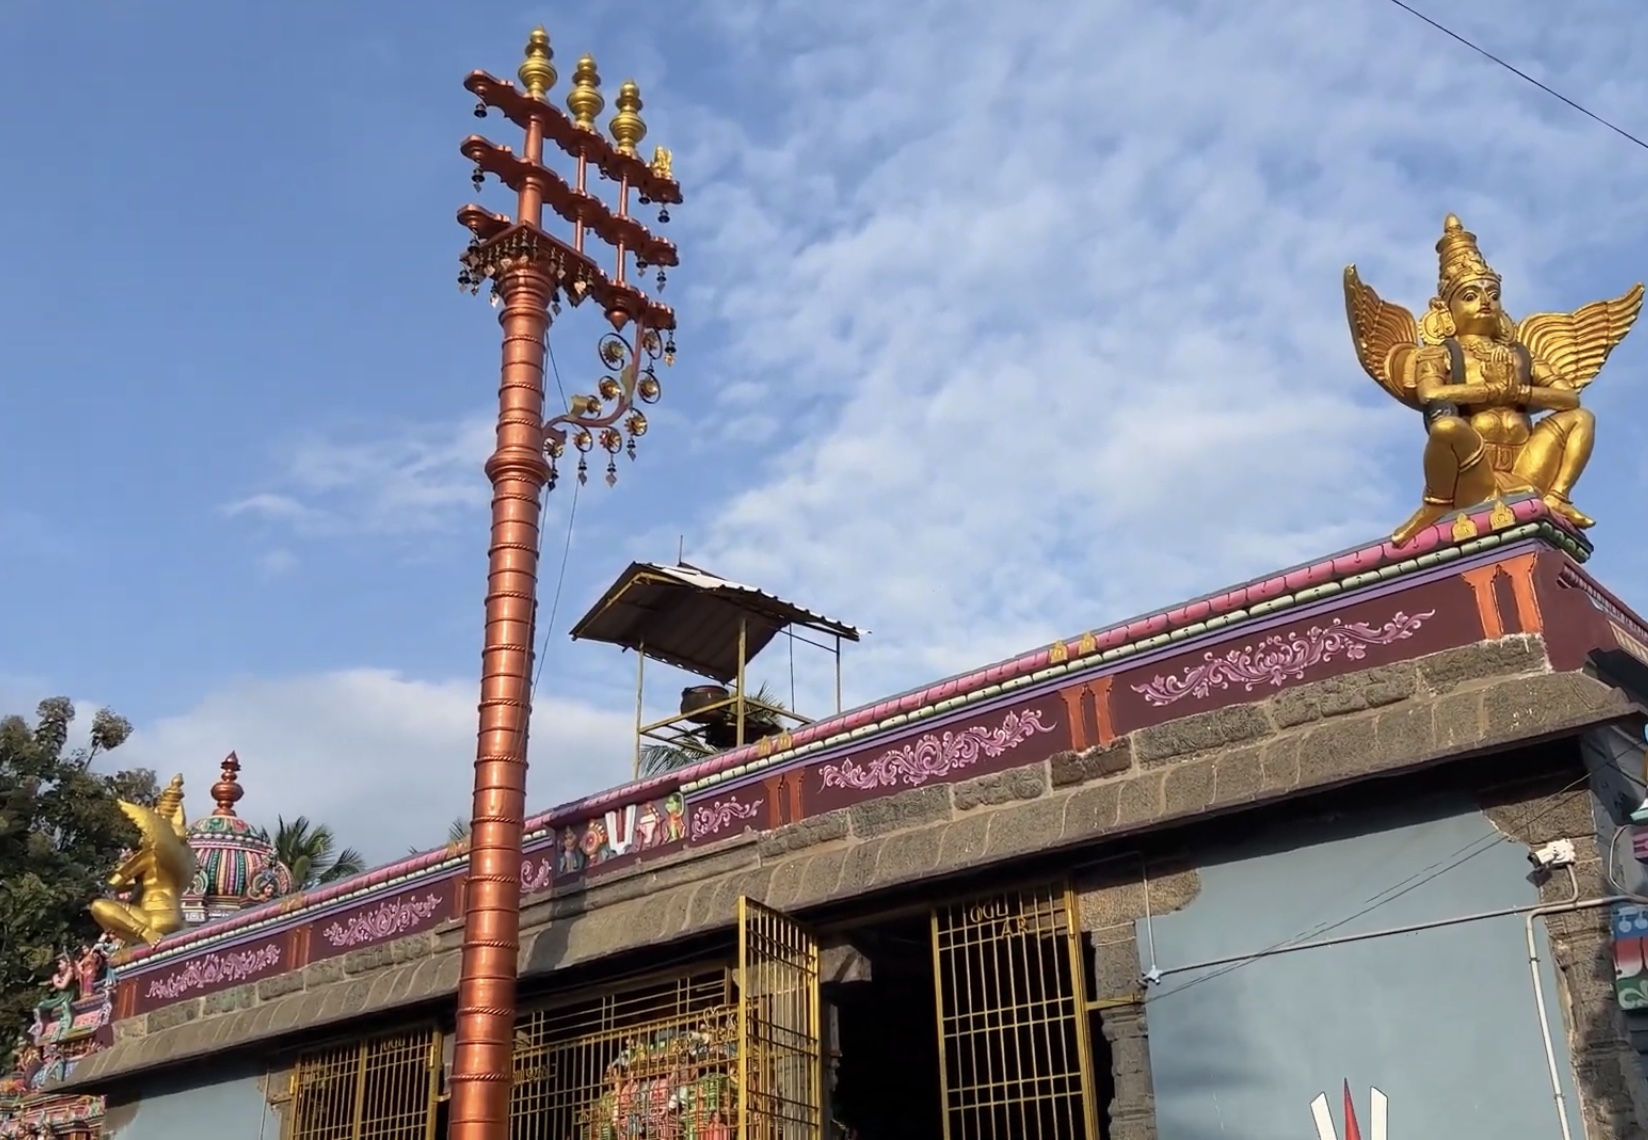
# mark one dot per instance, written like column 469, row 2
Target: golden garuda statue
column 154, row 877
column 1479, row 379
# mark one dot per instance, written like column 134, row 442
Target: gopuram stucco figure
column 1479, row 379
column 154, row 876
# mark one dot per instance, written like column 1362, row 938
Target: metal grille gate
column 382, row 1088
column 780, row 1060
column 1014, row 1052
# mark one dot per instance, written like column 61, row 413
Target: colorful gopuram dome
column 236, row 865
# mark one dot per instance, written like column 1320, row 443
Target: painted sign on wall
column 1378, row 1117
column 1630, row 926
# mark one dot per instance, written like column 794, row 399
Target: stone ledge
column 932, row 838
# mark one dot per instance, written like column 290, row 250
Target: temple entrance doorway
column 974, row 1024
column 886, row 1061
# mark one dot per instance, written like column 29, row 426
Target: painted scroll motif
column 935, row 756
column 1279, row 659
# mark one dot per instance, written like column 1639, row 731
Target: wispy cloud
column 1001, row 321
column 276, row 563
column 1071, row 298
column 421, row 478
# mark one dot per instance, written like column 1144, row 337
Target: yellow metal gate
column 1015, row 1059
column 780, row 1060
column 380, row 1088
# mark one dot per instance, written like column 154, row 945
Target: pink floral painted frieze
column 935, row 755
column 715, row 817
column 1279, row 659
column 384, row 920
column 537, row 872
column 213, row 972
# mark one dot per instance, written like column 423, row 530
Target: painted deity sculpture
column 154, row 876
column 1479, row 379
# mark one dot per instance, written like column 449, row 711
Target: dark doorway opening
column 887, row 1083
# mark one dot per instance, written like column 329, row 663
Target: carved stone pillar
column 1132, row 1108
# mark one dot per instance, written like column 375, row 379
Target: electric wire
column 566, row 547
column 1520, row 74
column 1390, row 894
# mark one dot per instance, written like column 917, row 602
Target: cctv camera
column 1553, row 855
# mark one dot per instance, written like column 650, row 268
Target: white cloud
column 277, row 562
column 1067, row 280
column 420, row 478
column 385, row 760
column 1002, row 321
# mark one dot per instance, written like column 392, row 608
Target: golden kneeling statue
column 156, row 874
column 1479, row 379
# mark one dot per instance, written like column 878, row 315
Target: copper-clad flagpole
column 529, row 272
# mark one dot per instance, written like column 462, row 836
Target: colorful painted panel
column 210, row 972
column 1630, row 922
column 378, row 920
column 611, row 840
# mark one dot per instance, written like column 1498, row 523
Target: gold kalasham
column 155, row 875
column 537, row 71
column 1479, row 379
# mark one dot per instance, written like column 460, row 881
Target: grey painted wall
column 1614, row 759
column 202, row 1102
column 1442, row 1021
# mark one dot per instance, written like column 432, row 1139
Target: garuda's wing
column 1577, row 344
column 159, row 836
column 1385, row 336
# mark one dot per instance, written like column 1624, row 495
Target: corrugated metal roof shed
column 689, row 618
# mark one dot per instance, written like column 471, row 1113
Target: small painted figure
column 595, row 843
column 571, row 860
column 88, row 970
column 649, row 826
column 675, row 817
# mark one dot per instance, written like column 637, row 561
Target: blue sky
column 998, row 322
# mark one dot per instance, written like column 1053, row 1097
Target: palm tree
column 656, row 758
column 456, row 832
column 310, row 852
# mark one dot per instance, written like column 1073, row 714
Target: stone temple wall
column 1379, row 721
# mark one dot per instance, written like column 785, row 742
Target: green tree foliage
column 658, row 758
column 61, row 834
column 456, row 832
column 310, row 852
